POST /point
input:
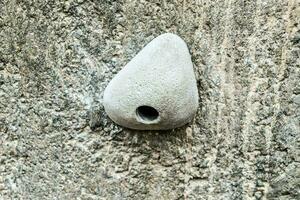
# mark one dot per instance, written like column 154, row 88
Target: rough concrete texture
column 160, row 77
column 56, row 58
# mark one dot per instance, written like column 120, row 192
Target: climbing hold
column 156, row 90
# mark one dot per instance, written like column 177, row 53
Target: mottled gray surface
column 56, row 142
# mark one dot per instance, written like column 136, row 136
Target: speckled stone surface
column 160, row 76
column 56, row 142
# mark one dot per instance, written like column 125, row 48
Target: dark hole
column 147, row 113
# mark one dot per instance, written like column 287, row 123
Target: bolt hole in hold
column 147, row 114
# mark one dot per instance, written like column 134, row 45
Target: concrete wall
column 56, row 142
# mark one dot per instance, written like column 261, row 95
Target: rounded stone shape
column 156, row 90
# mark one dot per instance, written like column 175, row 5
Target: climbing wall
column 56, row 142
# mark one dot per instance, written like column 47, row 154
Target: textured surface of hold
column 157, row 89
column 57, row 57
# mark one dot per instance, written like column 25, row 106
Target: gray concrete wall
column 56, row 142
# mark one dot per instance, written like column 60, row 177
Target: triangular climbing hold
column 156, row 90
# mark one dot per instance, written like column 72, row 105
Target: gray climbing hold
column 156, row 90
